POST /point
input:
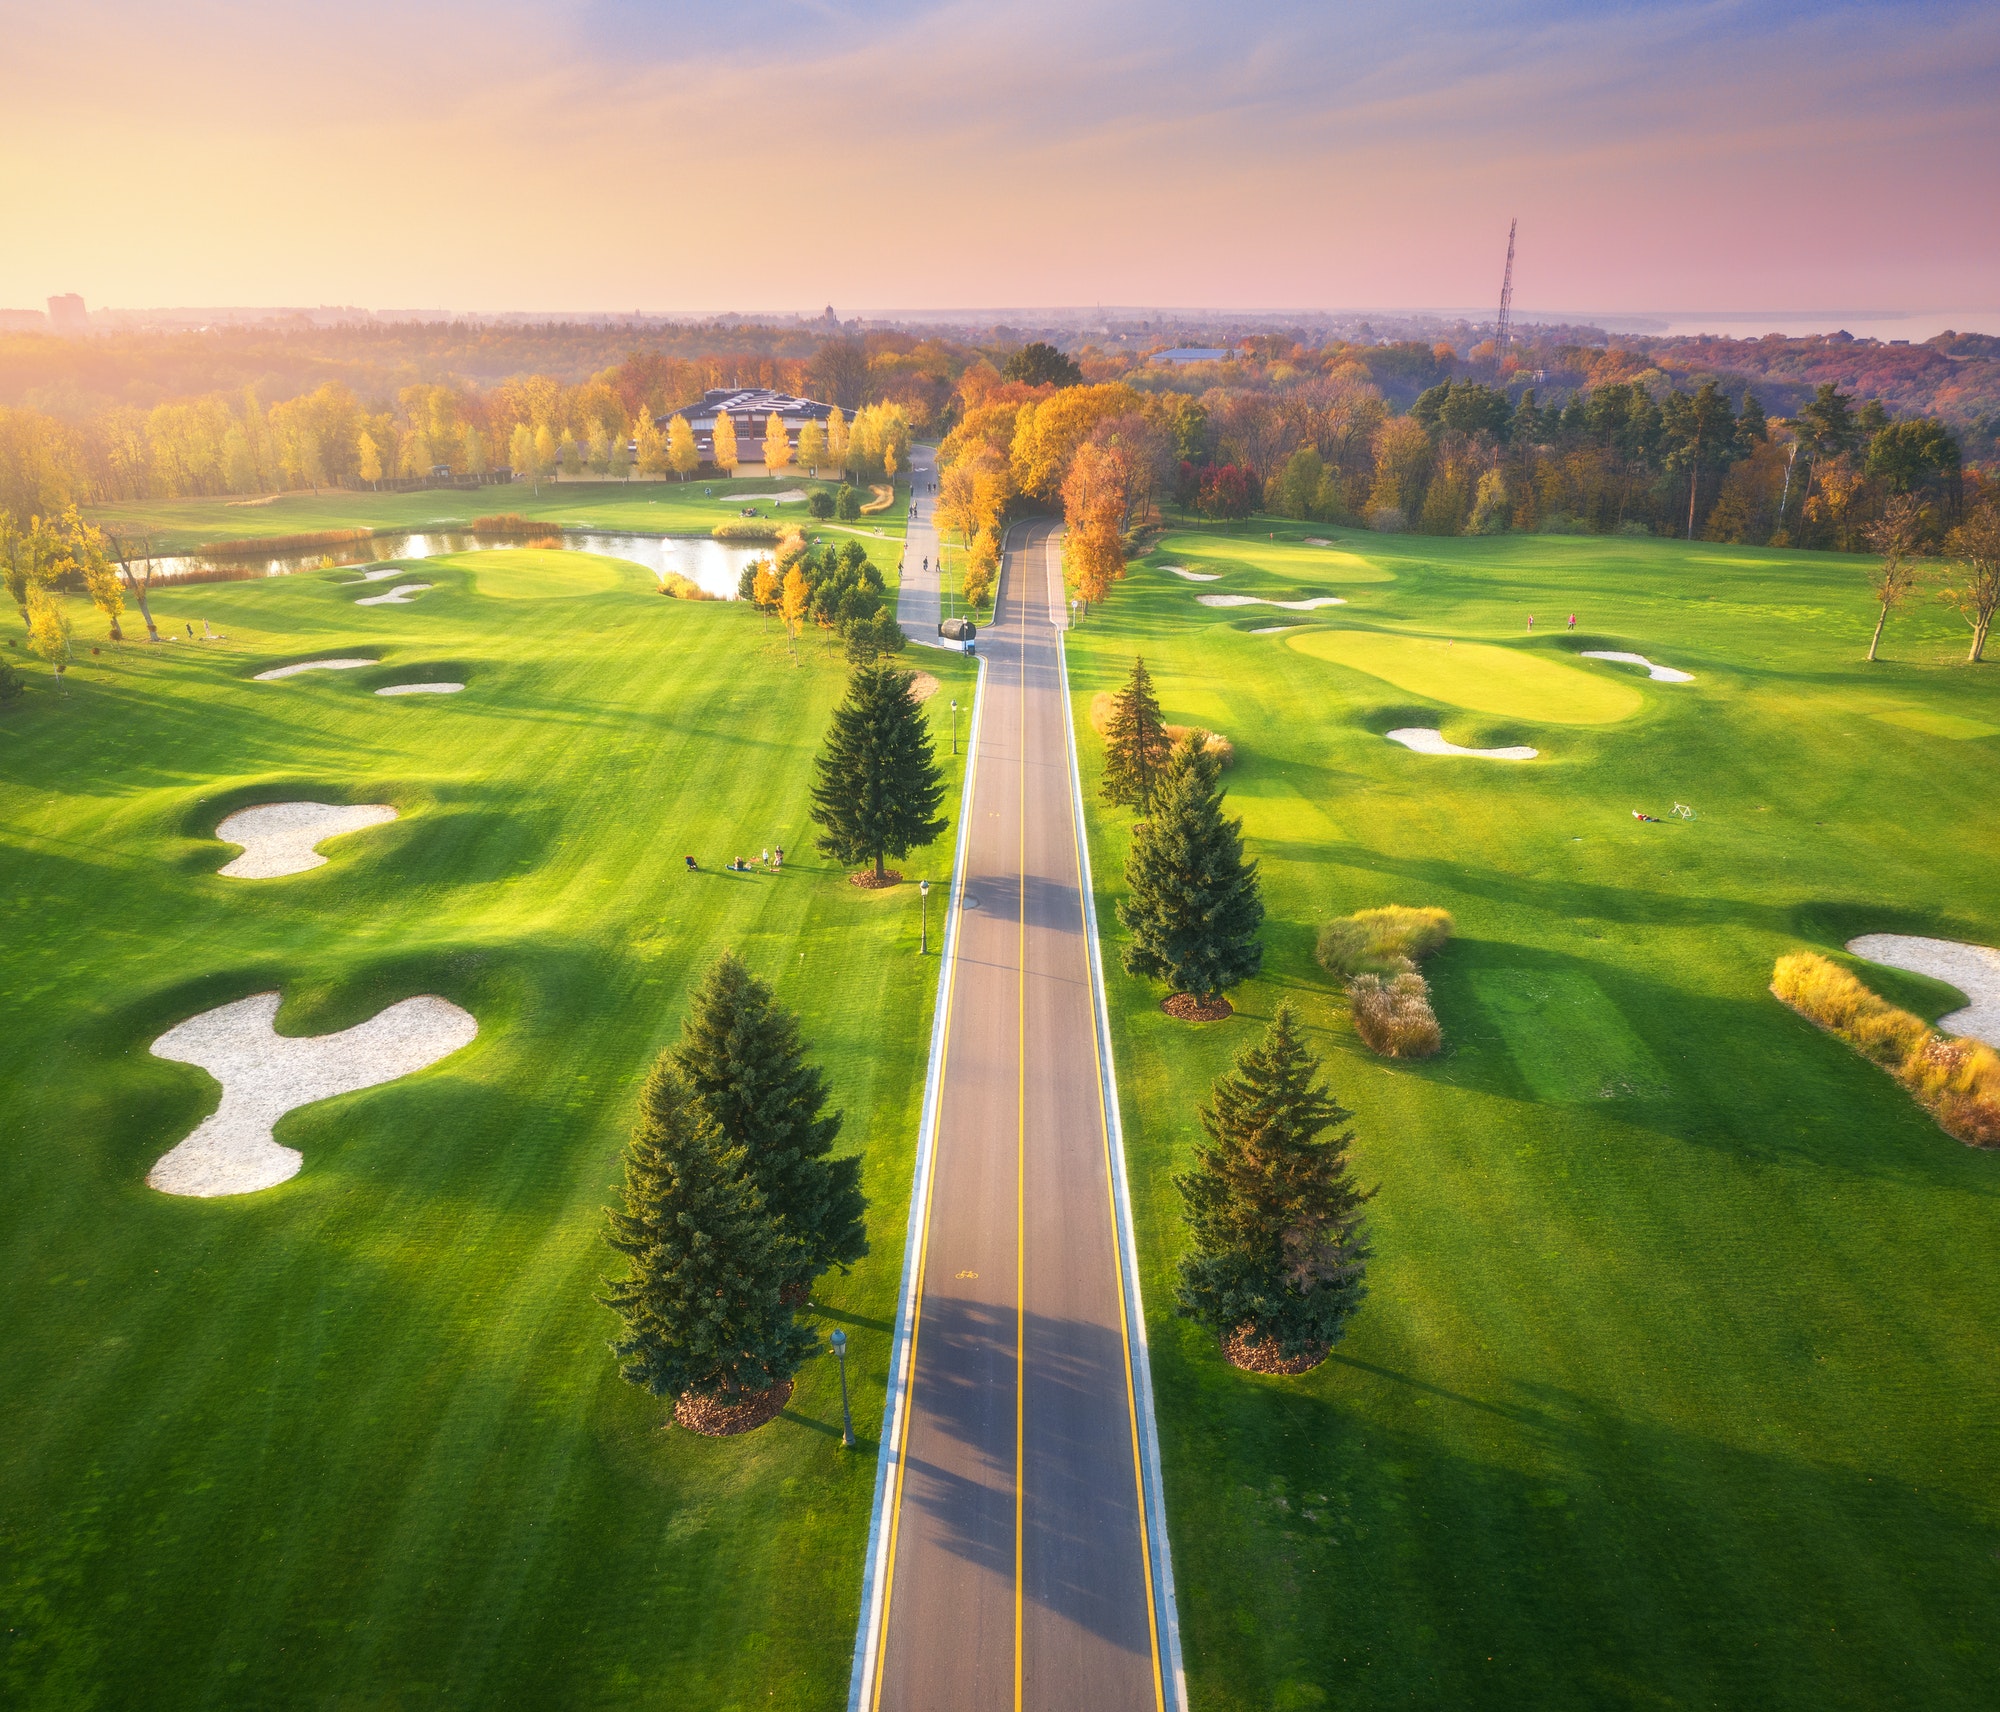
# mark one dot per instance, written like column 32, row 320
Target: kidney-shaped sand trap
column 1255, row 600
column 1973, row 969
column 1428, row 742
column 312, row 666
column 380, row 573
column 1193, row 576
column 265, row 1074
column 401, row 595
column 278, row 838
column 420, row 689
column 1659, row 674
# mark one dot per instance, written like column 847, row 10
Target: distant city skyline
column 1714, row 155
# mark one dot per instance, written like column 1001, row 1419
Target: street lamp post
column 954, row 726
column 924, row 892
column 846, row 1414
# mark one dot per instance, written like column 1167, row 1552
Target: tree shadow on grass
column 1396, row 1542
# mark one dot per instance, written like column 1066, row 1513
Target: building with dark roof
column 750, row 408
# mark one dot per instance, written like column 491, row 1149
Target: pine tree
column 877, row 785
column 1135, row 742
column 743, row 1064
column 702, row 1304
column 1194, row 907
column 1279, row 1249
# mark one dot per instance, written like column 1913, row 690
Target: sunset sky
column 784, row 154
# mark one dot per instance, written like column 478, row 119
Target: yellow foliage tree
column 369, row 456
column 650, row 445
column 836, row 439
column 1094, row 502
column 812, row 445
column 797, row 595
column 777, row 444
column 521, row 450
column 725, row 443
column 48, row 630
column 683, row 455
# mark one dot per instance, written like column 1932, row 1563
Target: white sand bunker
column 420, row 689
column 1427, row 742
column 278, row 838
column 311, row 666
column 380, row 572
column 1194, row 576
column 265, row 1074
column 1279, row 629
column 1317, row 541
column 1255, row 600
column 1973, row 969
column 401, row 595
column 790, row 496
column 1659, row 674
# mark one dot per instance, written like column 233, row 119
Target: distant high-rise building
column 67, row 314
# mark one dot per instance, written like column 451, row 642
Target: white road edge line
column 1128, row 1243
column 874, row 1584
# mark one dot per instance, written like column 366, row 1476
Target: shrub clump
column 683, row 588
column 1387, row 941
column 1394, row 1016
column 1103, row 706
column 278, row 545
column 761, row 530
column 1956, row 1081
column 509, row 523
column 1376, row 952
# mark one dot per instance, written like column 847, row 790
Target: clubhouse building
column 750, row 408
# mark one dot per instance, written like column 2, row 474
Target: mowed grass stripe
column 1677, row 1396
column 361, row 1434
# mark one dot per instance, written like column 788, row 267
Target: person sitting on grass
column 692, row 864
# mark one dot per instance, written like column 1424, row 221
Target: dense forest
column 1785, row 441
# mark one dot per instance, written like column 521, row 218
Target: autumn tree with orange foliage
column 1095, row 494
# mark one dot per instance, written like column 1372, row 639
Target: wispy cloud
column 784, row 152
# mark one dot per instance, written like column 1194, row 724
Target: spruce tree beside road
column 702, row 1304
column 1136, row 747
column 876, row 783
column 1279, row 1250
column 744, row 1066
column 1195, row 904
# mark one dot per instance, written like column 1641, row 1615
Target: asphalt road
column 1018, row 1570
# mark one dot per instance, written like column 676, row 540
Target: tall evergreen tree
column 1194, row 907
column 703, row 1302
column 1279, row 1246
column 744, row 1065
column 1135, row 742
column 877, row 786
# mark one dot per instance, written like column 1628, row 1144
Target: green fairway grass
column 542, row 573
column 647, row 507
column 1676, row 1383
column 357, row 1440
column 1505, row 681
column 1287, row 558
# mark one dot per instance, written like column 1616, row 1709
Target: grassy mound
column 542, row 573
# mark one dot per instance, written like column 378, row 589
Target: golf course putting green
column 541, row 573
column 1476, row 676
column 1280, row 558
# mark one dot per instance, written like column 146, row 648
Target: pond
column 715, row 566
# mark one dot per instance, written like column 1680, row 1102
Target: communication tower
column 1503, row 327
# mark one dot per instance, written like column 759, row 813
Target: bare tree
column 1972, row 582
column 1897, row 537
column 130, row 551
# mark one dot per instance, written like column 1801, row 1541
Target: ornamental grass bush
column 1387, row 941
column 1394, row 1016
column 1104, row 704
column 1957, row 1081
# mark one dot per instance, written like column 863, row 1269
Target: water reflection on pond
column 713, row 565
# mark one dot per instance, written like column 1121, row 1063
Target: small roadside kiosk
column 961, row 631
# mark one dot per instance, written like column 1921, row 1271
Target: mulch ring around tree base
column 871, row 881
column 1187, row 1008
column 728, row 1413
column 1260, row 1355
